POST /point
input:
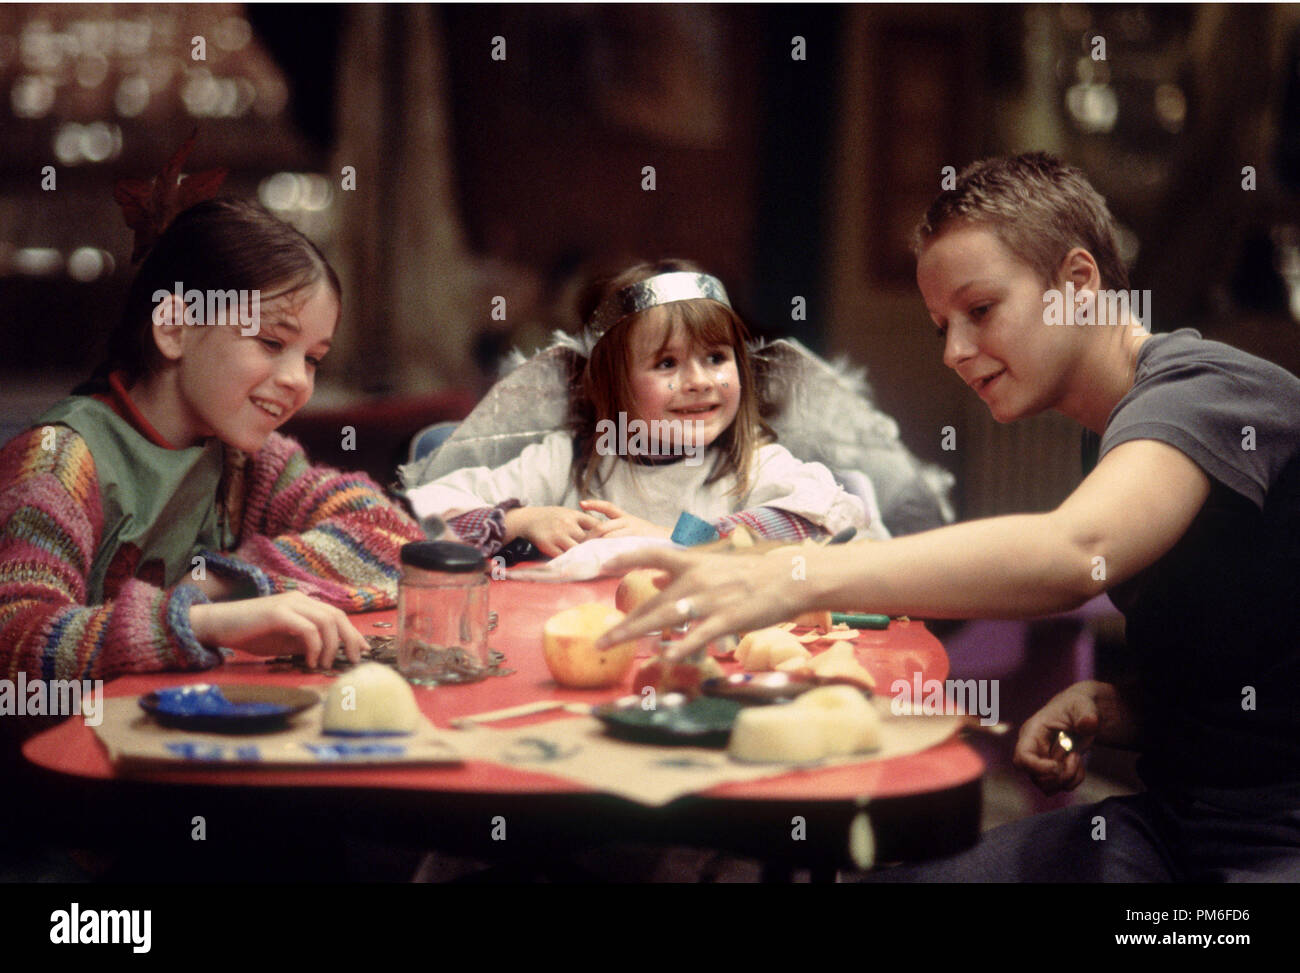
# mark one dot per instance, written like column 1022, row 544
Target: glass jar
column 442, row 613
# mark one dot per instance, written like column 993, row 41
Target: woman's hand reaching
column 717, row 593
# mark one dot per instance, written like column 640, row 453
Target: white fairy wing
column 824, row 413
column 524, row 406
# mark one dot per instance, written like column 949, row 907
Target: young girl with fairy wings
column 663, row 419
column 157, row 515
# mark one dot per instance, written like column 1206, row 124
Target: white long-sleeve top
column 541, row 477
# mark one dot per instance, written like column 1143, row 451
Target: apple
column 767, row 648
column 849, row 723
column 370, row 699
column 638, row 587
column 841, row 662
column 777, row 734
column 569, row 647
column 833, row 721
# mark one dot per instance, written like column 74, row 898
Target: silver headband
column 684, row 285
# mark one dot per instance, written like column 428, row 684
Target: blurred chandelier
column 1122, row 73
column 86, row 71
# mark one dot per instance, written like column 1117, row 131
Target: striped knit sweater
column 331, row 535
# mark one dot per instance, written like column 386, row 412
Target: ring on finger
column 686, row 609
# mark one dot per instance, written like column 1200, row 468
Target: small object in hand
column 724, row 646
column 1065, row 741
column 741, row 538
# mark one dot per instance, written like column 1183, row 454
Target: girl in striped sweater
column 155, row 514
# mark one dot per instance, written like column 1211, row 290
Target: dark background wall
column 786, row 177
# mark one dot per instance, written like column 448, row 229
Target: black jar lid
column 445, row 556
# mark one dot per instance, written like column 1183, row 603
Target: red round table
column 919, row 805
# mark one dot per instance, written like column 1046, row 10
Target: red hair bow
column 149, row 205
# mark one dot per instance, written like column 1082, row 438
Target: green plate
column 702, row 722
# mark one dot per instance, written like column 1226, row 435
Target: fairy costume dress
column 821, row 414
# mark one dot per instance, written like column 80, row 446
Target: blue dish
column 231, row 708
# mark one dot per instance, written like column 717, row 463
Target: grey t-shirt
column 1215, row 623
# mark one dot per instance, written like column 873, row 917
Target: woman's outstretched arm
column 1127, row 514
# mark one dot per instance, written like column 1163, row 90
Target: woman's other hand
column 1039, row 751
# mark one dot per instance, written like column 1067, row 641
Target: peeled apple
column 569, row 647
column 768, row 648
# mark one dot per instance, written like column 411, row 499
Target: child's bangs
column 705, row 323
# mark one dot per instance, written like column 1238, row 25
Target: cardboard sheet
column 571, row 748
column 577, row 749
column 133, row 739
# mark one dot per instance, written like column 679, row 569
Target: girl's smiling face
column 675, row 378
column 988, row 306
column 241, row 387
